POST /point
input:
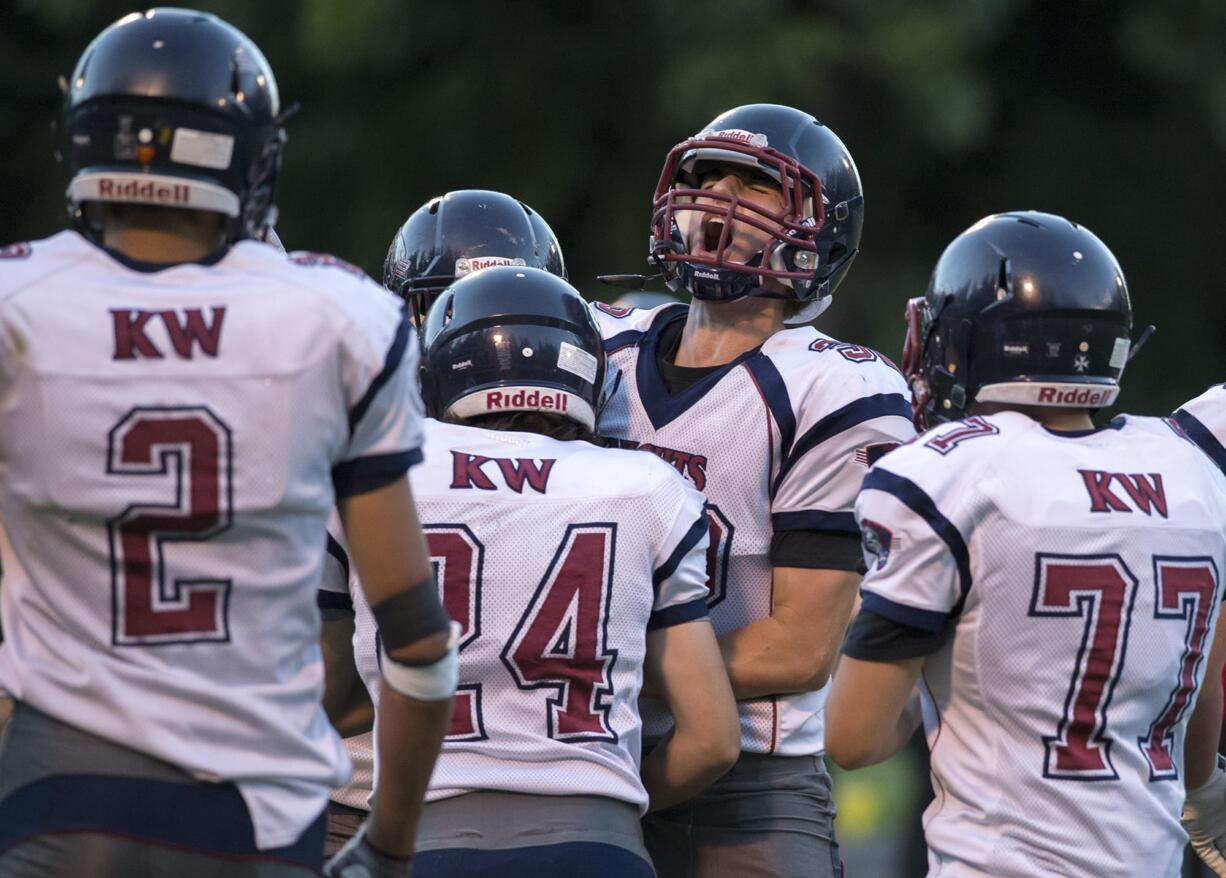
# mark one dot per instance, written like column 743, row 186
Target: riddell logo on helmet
column 1088, row 396
column 758, row 140
column 526, row 399
column 135, row 190
column 477, row 263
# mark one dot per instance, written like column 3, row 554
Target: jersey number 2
column 1102, row 590
column 188, row 451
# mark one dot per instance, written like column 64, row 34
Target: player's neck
column 178, row 239
column 718, row 332
column 1059, row 419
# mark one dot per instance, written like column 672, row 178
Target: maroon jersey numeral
column 189, row 450
column 1100, row 589
column 458, row 558
column 719, row 551
column 1185, row 592
column 560, row 643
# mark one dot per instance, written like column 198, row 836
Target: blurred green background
column 1112, row 112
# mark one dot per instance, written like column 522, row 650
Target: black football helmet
column 461, row 232
column 1022, row 308
column 816, row 235
column 512, row 339
column 174, row 108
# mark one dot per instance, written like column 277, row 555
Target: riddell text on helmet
column 1088, row 396
column 137, row 191
column 531, row 399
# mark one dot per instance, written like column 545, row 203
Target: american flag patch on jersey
column 870, row 454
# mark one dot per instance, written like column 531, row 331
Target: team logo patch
column 876, row 540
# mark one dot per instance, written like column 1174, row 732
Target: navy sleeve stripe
column 366, row 474
column 775, row 392
column 621, row 340
column 912, row 617
column 678, row 614
column 333, row 600
column 856, row 412
column 816, row 520
column 913, row 497
column 1201, row 435
column 337, row 551
column 394, row 355
column 691, row 538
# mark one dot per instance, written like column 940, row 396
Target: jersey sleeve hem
column 678, row 614
column 913, row 617
column 365, row 474
column 816, row 520
column 333, row 600
column 816, row 550
column 876, row 638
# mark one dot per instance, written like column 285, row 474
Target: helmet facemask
column 790, row 254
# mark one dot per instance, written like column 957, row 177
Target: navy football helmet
column 461, row 232
column 174, row 108
column 815, row 236
column 1022, row 308
column 512, row 339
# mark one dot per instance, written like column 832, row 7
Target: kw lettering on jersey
column 692, row 466
column 131, row 341
column 853, row 352
column 1145, row 492
column 467, row 472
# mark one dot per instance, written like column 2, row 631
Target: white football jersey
column 556, row 559
column 1204, row 420
column 778, row 440
column 1079, row 577
column 169, row 444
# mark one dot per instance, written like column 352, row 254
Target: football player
column 575, row 572
column 447, row 238
column 758, row 218
column 1053, row 586
column 182, row 406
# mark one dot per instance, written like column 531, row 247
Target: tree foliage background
column 1112, row 112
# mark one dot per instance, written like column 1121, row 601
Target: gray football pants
column 49, row 767
column 769, row 817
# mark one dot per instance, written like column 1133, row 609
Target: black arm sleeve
column 874, row 638
column 816, row 550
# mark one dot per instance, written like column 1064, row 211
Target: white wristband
column 425, row 682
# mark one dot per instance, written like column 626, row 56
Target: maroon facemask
column 913, row 360
column 789, row 227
